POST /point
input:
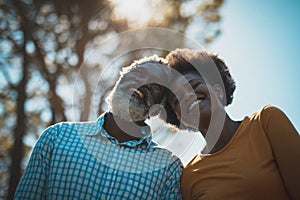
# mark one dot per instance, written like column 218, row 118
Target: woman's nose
column 189, row 96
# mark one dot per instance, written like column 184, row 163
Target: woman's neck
column 222, row 139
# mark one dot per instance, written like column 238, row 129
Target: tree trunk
column 18, row 149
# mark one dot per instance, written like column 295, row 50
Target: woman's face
column 194, row 100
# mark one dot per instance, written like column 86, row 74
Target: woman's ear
column 219, row 91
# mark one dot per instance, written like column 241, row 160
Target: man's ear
column 219, row 91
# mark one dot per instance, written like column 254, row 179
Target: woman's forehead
column 187, row 77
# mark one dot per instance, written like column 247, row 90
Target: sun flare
column 137, row 12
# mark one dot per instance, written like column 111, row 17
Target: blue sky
column 260, row 43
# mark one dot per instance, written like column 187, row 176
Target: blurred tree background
column 44, row 45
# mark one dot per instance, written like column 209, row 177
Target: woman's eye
column 195, row 85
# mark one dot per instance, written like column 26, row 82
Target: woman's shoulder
column 267, row 111
column 270, row 109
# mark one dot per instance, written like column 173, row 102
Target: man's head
column 211, row 70
column 139, row 87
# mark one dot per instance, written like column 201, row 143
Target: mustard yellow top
column 262, row 161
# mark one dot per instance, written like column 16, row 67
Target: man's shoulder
column 68, row 127
column 60, row 126
column 165, row 152
column 53, row 131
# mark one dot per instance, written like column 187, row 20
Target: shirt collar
column 146, row 140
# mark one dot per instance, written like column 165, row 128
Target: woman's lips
column 196, row 103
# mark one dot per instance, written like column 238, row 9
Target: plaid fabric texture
column 82, row 161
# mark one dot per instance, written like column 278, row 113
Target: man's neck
column 122, row 130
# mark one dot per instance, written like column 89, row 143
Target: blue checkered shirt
column 82, row 161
